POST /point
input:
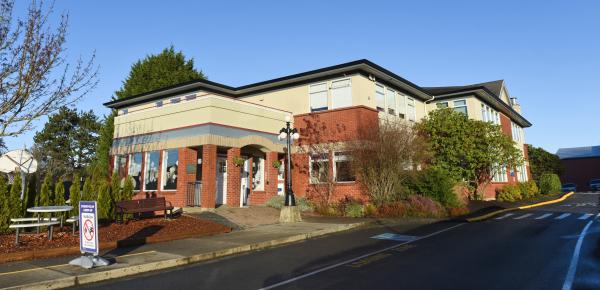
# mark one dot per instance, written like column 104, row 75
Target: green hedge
column 529, row 189
column 509, row 193
column 550, row 183
column 437, row 184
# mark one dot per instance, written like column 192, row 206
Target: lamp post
column 289, row 134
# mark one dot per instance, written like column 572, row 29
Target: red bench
column 138, row 206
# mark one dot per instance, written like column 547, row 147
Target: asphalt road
column 541, row 248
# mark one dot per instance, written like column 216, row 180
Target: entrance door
column 245, row 187
column 221, row 180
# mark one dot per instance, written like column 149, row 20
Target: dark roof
column 495, row 87
column 490, row 91
column 578, row 152
column 363, row 66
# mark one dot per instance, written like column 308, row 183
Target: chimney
column 515, row 105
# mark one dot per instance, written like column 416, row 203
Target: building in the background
column 205, row 143
column 581, row 164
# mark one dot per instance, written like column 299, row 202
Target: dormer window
column 124, row 112
column 159, row 104
column 190, row 97
column 175, row 100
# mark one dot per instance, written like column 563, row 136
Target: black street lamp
column 288, row 133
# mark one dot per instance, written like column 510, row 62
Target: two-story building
column 205, row 144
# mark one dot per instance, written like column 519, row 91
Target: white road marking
column 505, row 216
column 355, row 259
column 523, row 216
column 562, row 216
column 573, row 266
column 585, row 216
column 543, row 216
column 394, row 237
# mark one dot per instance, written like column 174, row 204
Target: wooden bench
column 138, row 206
column 19, row 226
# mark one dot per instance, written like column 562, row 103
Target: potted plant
column 238, row 161
column 276, row 164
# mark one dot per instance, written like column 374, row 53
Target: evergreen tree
column 88, row 190
column 59, row 192
column 105, row 204
column 31, row 194
column 127, row 193
column 15, row 206
column 75, row 194
column 4, row 209
column 116, row 187
column 46, row 191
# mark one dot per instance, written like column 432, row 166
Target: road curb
column 82, row 279
column 491, row 214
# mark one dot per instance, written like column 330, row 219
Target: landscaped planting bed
column 134, row 232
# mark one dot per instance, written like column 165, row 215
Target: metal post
column 290, row 200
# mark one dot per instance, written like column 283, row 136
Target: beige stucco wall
column 206, row 109
column 473, row 106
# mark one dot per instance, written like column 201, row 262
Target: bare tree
column 35, row 79
column 384, row 158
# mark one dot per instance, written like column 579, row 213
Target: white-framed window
column 517, row 132
column 441, row 105
column 460, row 106
column 158, row 104
column 135, row 169
column 119, row 164
column 489, row 115
column 390, row 96
column 410, row 109
column 318, row 97
column 318, row 166
column 401, row 105
column 342, row 167
column 170, row 165
column 522, row 173
column 124, row 111
column 151, row 171
column 499, row 174
column 341, row 93
column 258, row 173
column 380, row 97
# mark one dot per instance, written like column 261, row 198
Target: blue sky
column 547, row 51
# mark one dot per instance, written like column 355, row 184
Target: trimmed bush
column 115, row 187
column 15, row 205
column 127, row 192
column 278, row 201
column 354, row 209
column 88, row 190
column 4, row 212
column 46, row 191
column 437, row 184
column 105, row 205
column 550, row 183
column 510, row 193
column 528, row 189
column 422, row 206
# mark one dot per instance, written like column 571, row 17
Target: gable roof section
column 488, row 91
column 578, row 152
column 362, row 66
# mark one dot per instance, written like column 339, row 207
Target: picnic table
column 50, row 209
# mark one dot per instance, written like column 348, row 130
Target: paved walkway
column 56, row 273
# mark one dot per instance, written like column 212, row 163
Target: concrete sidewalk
column 56, row 273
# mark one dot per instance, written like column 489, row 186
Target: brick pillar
column 209, row 176
column 233, row 178
column 187, row 156
column 271, row 175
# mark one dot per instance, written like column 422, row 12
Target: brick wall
column 233, row 178
column 209, row 171
column 580, row 171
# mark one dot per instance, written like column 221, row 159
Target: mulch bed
column 135, row 232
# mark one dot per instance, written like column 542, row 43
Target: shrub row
column 550, row 183
column 515, row 192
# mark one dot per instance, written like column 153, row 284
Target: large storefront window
column 258, row 173
column 170, row 165
column 135, row 169
column 120, row 163
column 151, row 171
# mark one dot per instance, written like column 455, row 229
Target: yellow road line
column 61, row 265
column 486, row 216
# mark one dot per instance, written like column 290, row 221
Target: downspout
column 430, row 100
